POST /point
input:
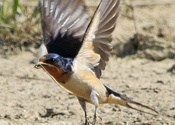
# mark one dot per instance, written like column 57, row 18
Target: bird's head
column 52, row 59
column 55, row 61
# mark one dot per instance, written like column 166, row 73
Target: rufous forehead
column 42, row 59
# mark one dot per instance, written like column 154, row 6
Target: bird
column 78, row 48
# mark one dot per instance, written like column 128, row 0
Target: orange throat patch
column 57, row 73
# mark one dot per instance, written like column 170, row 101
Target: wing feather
column 64, row 23
column 99, row 35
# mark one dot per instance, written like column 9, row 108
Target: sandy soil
column 29, row 97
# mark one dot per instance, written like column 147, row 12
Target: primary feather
column 64, row 23
column 96, row 48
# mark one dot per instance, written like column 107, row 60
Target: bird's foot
column 87, row 122
column 94, row 120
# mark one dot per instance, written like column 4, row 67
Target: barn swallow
column 78, row 49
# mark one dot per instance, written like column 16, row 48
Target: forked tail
column 117, row 98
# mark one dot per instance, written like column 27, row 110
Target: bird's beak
column 40, row 65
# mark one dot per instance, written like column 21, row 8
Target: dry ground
column 29, row 97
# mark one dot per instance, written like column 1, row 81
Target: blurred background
column 142, row 66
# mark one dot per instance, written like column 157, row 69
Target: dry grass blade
column 20, row 26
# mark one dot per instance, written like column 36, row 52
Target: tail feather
column 117, row 98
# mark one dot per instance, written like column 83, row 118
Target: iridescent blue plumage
column 68, row 64
column 59, row 61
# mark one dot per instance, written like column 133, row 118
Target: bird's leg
column 94, row 99
column 83, row 105
column 95, row 115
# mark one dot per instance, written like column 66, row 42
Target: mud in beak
column 40, row 65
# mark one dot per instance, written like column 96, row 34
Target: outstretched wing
column 64, row 23
column 96, row 47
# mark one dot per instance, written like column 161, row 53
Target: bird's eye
column 50, row 61
column 53, row 60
